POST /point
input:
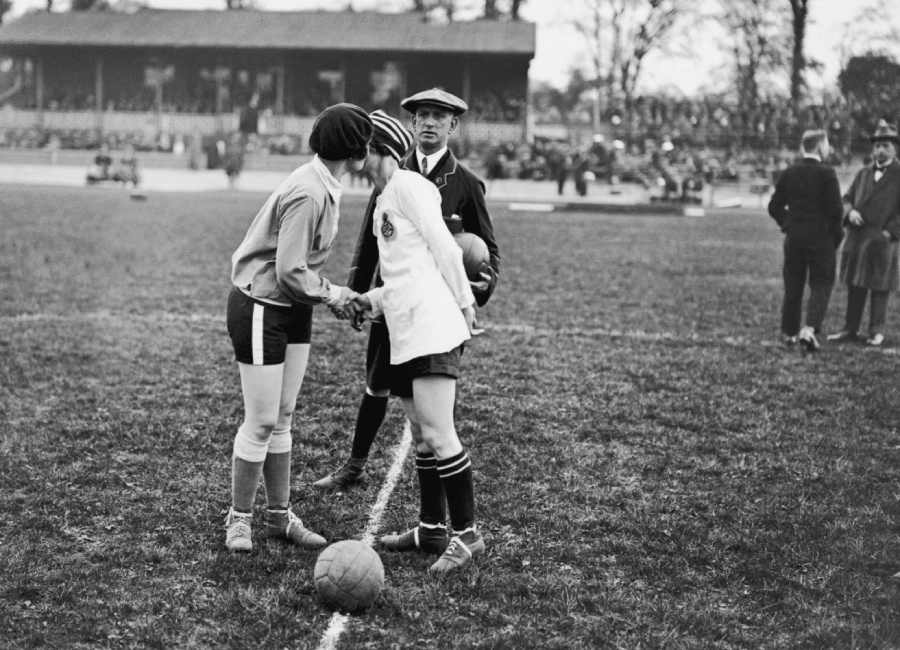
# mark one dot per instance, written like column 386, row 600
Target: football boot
column 349, row 474
column 238, row 536
column 284, row 524
column 424, row 537
column 459, row 552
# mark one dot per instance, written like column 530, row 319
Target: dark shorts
column 378, row 357
column 260, row 332
column 447, row 364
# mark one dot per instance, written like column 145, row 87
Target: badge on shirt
column 387, row 228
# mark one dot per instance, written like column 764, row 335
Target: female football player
column 277, row 280
column 429, row 310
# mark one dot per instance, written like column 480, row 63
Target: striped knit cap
column 390, row 135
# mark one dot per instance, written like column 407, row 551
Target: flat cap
column 435, row 97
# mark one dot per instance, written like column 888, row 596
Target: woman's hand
column 469, row 315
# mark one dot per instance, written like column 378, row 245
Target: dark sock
column 432, row 509
column 456, row 476
column 371, row 414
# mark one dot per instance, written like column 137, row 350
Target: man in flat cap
column 872, row 219
column 435, row 116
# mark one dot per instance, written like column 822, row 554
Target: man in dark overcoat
column 435, row 117
column 807, row 207
column 872, row 220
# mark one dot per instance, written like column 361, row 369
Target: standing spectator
column 559, row 168
column 807, row 207
column 869, row 257
column 580, row 165
column 277, row 278
column 248, row 122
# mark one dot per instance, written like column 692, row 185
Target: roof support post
column 39, row 89
column 279, row 86
column 466, row 96
column 527, row 134
column 98, row 96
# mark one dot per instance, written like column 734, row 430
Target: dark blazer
column 806, row 203
column 462, row 194
column 868, row 258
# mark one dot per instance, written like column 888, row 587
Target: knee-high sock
column 432, row 508
column 371, row 414
column 244, row 481
column 456, row 476
column 277, row 470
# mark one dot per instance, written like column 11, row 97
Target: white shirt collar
column 332, row 185
column 432, row 158
column 812, row 156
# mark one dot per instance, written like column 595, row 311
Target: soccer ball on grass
column 348, row 575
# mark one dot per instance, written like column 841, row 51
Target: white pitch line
column 510, row 328
column 338, row 622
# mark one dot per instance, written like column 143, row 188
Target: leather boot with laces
column 424, row 537
column 349, row 474
column 285, row 525
column 238, row 535
column 463, row 547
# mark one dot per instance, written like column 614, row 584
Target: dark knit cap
column 341, row 131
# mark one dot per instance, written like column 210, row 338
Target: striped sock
column 456, row 475
column 432, row 508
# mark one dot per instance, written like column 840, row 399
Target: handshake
column 351, row 306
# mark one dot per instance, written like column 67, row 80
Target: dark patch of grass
column 651, row 470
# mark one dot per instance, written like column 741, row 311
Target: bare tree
column 620, row 34
column 758, row 43
column 5, row 6
column 799, row 15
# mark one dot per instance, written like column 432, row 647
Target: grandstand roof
column 249, row 29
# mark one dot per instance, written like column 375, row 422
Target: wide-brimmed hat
column 885, row 131
column 341, row 131
column 435, row 97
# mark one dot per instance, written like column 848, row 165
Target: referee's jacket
column 462, row 194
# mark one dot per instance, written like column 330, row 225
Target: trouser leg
column 856, row 302
column 794, row 274
column 877, row 312
column 821, row 283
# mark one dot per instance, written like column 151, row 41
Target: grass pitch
column 652, row 470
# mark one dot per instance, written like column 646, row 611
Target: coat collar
column 445, row 168
column 871, row 188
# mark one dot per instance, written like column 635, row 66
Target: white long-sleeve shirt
column 425, row 284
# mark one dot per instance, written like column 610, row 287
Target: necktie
column 424, row 166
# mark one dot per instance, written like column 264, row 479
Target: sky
column 560, row 47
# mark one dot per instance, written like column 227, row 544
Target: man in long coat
column 872, row 219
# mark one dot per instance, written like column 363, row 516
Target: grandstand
column 156, row 78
